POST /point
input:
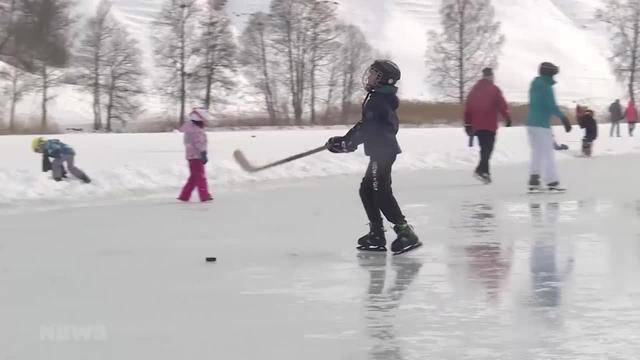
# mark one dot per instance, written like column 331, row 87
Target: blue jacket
column 55, row 148
column 379, row 124
column 542, row 103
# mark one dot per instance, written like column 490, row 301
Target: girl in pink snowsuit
column 195, row 143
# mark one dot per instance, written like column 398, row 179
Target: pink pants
column 196, row 179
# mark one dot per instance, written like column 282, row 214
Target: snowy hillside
column 561, row 31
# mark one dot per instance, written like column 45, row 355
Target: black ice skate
column 555, row 187
column 484, row 177
column 407, row 240
column 374, row 240
column 534, row 185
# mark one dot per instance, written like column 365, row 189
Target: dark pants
column 615, row 125
column 487, row 139
column 632, row 127
column 376, row 193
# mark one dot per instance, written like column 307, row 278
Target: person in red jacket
column 484, row 103
column 631, row 114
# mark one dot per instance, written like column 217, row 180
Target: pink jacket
column 195, row 140
column 631, row 114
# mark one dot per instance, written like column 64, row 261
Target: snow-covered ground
column 139, row 165
column 502, row 275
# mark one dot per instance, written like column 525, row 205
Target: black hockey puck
column 211, row 259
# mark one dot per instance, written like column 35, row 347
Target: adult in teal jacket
column 542, row 107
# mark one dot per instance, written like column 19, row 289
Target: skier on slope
column 377, row 130
column 484, row 103
column 542, row 106
column 61, row 153
column 195, row 143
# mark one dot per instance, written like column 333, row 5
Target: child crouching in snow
column 195, row 143
column 61, row 154
column 588, row 123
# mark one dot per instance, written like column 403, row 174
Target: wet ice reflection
column 528, row 280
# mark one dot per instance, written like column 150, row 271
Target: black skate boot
column 374, row 240
column 407, row 240
column 534, row 184
column 484, row 177
column 555, row 187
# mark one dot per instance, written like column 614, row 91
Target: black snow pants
column 376, row 193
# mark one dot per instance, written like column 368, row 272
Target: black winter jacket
column 379, row 124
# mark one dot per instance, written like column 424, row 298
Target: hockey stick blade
column 243, row 162
column 246, row 166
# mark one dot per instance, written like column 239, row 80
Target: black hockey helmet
column 548, row 69
column 381, row 73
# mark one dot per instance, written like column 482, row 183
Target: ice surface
column 502, row 275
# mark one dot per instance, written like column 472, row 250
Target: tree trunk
column 109, row 109
column 268, row 94
column 14, row 100
column 97, row 116
column 461, row 53
column 183, row 75
column 45, row 87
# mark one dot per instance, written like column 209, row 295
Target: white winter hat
column 199, row 114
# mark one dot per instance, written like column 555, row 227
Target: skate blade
column 408, row 248
column 481, row 179
column 372, row 248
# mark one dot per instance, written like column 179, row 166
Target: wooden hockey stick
column 246, row 166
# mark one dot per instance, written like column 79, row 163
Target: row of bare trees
column 37, row 40
column 303, row 61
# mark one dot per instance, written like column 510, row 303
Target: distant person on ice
column 195, row 143
column 61, row 153
column 377, row 130
column 590, row 126
column 631, row 114
column 542, row 106
column 615, row 115
column 484, row 103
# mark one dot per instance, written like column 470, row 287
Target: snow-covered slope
column 561, row 31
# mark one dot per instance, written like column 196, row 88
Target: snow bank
column 136, row 165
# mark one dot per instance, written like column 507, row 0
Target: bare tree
column 623, row 20
column 258, row 61
column 20, row 84
column 91, row 55
column 323, row 33
column 216, row 52
column 291, row 39
column 123, row 77
column 470, row 40
column 6, row 17
column 356, row 54
column 172, row 40
column 49, row 39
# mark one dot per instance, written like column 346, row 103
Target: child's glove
column 204, row 158
column 338, row 144
column 469, row 130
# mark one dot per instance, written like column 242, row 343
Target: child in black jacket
column 377, row 130
column 590, row 126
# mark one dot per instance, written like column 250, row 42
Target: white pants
column 543, row 161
